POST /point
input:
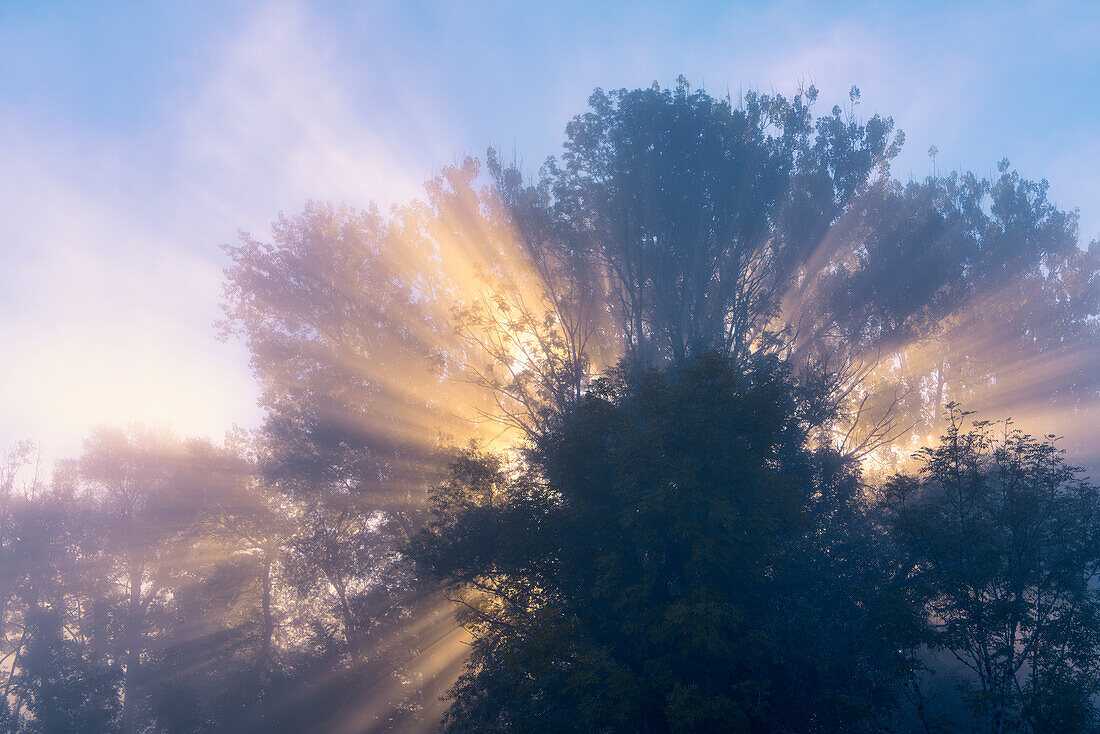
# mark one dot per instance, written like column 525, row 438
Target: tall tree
column 351, row 354
column 702, row 212
column 144, row 514
column 628, row 576
column 1002, row 536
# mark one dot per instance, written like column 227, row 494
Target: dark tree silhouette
column 1002, row 537
column 632, row 575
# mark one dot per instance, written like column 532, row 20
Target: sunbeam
column 744, row 410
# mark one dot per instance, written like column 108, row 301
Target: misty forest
column 712, row 423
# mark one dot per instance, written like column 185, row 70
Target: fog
column 487, row 369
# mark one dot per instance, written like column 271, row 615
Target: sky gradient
column 137, row 137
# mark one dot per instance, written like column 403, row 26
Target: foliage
column 1002, row 537
column 628, row 576
column 686, row 541
column 702, row 212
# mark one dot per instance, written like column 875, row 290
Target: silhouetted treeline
column 644, row 420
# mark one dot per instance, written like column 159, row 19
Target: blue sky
column 136, row 137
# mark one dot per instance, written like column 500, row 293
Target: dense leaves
column 629, row 576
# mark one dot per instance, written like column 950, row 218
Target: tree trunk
column 351, row 627
column 263, row 659
column 940, row 385
column 133, row 652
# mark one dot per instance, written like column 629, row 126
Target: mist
column 570, row 369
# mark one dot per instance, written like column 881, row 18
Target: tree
column 1002, row 541
column 214, row 656
column 536, row 328
column 66, row 689
column 351, row 352
column 952, row 283
column 758, row 227
column 15, row 566
column 629, row 576
column 144, row 515
column 131, row 606
column 702, row 213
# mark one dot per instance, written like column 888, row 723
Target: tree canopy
column 630, row 575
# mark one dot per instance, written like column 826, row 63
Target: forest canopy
column 671, row 436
